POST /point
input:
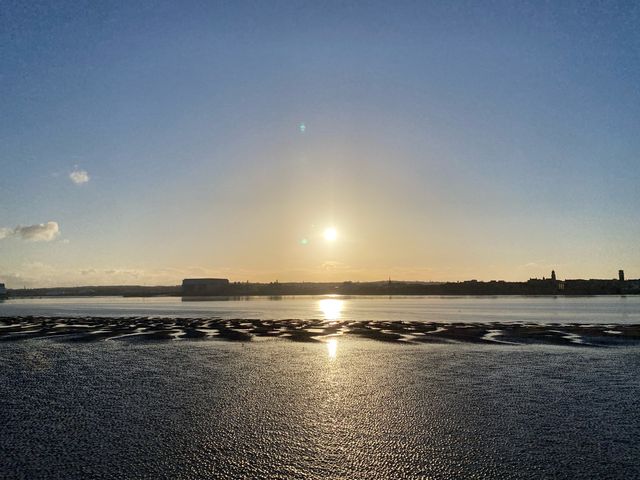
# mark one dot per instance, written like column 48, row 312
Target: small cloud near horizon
column 79, row 176
column 334, row 265
column 42, row 232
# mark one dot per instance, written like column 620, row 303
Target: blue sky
column 443, row 140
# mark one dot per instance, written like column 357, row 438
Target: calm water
column 353, row 409
column 604, row 309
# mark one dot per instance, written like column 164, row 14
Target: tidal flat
column 91, row 329
column 345, row 407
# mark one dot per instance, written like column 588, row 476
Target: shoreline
column 325, row 295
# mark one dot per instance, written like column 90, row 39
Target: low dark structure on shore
column 202, row 287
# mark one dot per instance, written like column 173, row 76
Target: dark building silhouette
column 553, row 275
column 621, row 275
column 204, row 286
column 3, row 290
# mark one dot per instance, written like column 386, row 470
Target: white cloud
column 79, row 176
column 541, row 264
column 332, row 265
column 43, row 232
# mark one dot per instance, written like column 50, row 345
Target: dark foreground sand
column 89, row 329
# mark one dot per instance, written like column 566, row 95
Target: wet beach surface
column 91, row 329
column 344, row 407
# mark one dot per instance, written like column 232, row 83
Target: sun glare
column 332, row 348
column 330, row 234
column 331, row 308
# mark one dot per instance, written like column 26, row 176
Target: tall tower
column 553, row 275
column 621, row 275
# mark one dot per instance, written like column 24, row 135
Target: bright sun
column 330, row 234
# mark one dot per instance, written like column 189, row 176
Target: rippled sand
column 91, row 329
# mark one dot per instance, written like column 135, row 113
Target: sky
column 146, row 142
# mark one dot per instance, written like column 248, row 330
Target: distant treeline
column 471, row 287
column 92, row 291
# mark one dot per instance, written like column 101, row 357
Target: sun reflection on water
column 332, row 348
column 331, row 308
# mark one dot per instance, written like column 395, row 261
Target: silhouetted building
column 3, row 290
column 621, row 275
column 553, row 275
column 204, row 286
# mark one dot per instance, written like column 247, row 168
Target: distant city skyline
column 144, row 143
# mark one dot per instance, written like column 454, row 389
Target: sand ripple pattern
column 90, row 329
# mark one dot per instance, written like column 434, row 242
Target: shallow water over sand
column 602, row 310
column 96, row 329
column 354, row 409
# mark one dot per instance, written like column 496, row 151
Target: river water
column 542, row 309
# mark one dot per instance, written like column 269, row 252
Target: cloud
column 541, row 264
column 79, row 176
column 332, row 265
column 11, row 279
column 43, row 232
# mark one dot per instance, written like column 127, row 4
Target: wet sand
column 91, row 329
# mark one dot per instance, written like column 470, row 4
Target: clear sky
column 142, row 142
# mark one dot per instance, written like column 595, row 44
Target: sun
column 330, row 234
